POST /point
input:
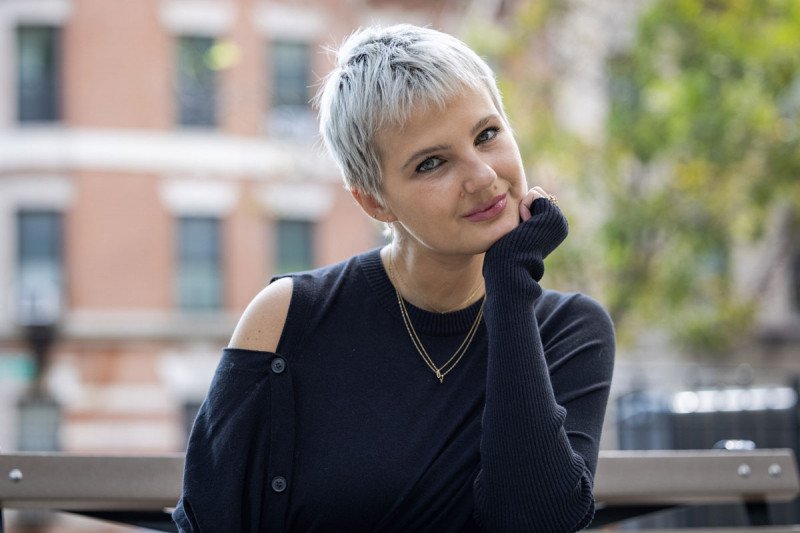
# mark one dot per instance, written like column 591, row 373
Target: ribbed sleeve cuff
column 518, row 257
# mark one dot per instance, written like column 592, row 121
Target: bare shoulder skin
column 262, row 322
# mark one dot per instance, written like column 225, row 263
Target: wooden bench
column 141, row 490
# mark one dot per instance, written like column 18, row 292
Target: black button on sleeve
column 278, row 365
column 279, row 484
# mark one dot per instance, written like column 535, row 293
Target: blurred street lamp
column 38, row 315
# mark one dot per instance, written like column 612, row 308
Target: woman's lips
column 487, row 210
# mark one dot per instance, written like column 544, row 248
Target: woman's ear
column 372, row 206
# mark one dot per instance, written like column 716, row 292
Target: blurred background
column 159, row 162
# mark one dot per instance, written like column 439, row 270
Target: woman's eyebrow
column 425, row 152
column 483, row 122
column 442, row 147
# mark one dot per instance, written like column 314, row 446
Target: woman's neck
column 434, row 282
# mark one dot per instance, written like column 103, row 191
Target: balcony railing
column 141, row 490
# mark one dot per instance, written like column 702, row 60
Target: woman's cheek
column 512, row 221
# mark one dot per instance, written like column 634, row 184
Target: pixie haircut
column 381, row 73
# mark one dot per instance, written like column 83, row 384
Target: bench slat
column 75, row 482
column 95, row 482
column 696, row 476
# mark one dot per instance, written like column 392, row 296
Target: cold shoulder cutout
column 262, row 323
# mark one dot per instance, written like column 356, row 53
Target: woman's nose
column 479, row 175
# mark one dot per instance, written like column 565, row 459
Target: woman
column 431, row 385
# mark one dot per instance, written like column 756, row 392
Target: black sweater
column 345, row 428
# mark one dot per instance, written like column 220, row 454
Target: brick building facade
column 158, row 164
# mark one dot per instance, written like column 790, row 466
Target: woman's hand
column 524, row 248
column 527, row 201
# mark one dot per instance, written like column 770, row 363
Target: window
column 196, row 84
column 38, row 73
column 290, row 114
column 295, row 245
column 40, row 266
column 290, row 73
column 199, row 270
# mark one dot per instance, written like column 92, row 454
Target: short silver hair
column 380, row 74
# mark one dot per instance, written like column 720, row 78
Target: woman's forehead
column 425, row 112
column 432, row 123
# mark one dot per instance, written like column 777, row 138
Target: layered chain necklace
column 450, row 364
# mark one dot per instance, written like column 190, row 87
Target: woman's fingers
column 527, row 201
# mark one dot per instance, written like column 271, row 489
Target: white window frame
column 22, row 193
column 14, row 13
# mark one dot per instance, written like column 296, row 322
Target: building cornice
column 184, row 153
column 51, row 12
column 115, row 326
column 198, row 17
column 287, row 22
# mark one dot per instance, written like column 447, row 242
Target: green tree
column 703, row 150
column 700, row 158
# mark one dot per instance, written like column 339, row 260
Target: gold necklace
column 450, row 364
column 396, row 274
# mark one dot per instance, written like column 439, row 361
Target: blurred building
column 158, row 164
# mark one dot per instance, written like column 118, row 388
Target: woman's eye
column 429, row 164
column 487, row 135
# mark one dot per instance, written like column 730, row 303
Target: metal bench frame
column 140, row 490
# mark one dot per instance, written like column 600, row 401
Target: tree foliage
column 701, row 154
column 704, row 145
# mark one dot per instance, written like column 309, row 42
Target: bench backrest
column 74, row 482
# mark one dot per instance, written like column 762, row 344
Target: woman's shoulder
column 579, row 339
column 566, row 310
column 553, row 301
column 262, row 322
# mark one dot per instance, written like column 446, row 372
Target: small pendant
column 441, row 378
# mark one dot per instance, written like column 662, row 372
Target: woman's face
column 452, row 177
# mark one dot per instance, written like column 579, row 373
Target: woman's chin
column 505, row 227
column 497, row 233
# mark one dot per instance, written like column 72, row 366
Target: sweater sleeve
column 545, row 403
column 233, row 453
